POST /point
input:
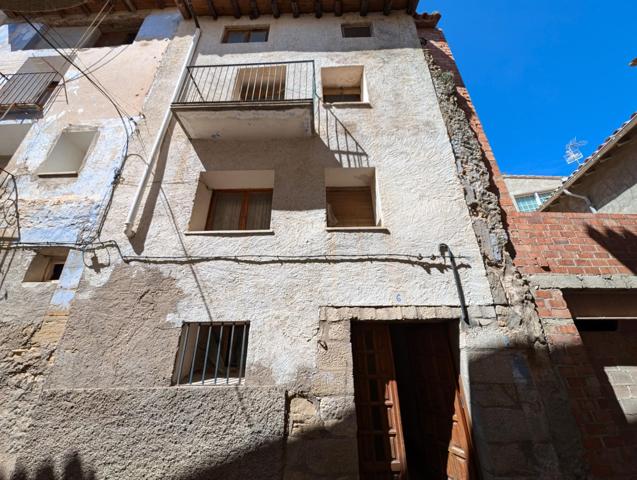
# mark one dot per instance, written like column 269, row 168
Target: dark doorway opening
column 409, row 403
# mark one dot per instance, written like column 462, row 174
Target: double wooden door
column 409, row 405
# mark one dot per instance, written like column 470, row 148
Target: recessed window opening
column 68, row 155
column 343, row 84
column 11, row 137
column 212, row 354
column 351, row 198
column 356, row 30
column 47, row 266
column 117, row 36
column 233, row 200
column 260, row 84
column 246, row 35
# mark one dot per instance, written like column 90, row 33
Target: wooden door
column 444, row 445
column 415, row 363
column 381, row 448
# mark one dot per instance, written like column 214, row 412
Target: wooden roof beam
column 295, row 8
column 276, row 11
column 254, row 10
column 212, row 10
column 364, row 7
column 338, row 7
column 183, row 9
column 130, row 4
column 235, row 8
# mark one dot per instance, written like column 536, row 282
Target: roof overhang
column 216, row 8
column 602, row 154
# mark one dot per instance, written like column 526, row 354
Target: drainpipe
column 444, row 251
column 581, row 197
column 134, row 208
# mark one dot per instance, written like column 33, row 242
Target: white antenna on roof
column 573, row 153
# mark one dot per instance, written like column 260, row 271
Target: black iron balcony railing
column 249, row 83
column 27, row 91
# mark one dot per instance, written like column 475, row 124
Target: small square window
column 233, row 200
column 343, row 84
column 47, row 266
column 68, row 155
column 212, row 354
column 350, row 207
column 356, row 30
column 351, row 199
column 246, row 35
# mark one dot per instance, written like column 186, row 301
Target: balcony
column 27, row 92
column 247, row 101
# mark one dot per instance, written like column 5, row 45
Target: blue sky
column 544, row 71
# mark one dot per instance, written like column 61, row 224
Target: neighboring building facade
column 529, row 192
column 241, row 263
column 606, row 182
column 582, row 270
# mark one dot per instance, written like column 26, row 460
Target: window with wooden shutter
column 350, row 207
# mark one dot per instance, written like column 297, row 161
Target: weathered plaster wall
column 125, row 322
column 529, row 184
column 35, row 315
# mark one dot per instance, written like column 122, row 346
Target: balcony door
column 409, row 405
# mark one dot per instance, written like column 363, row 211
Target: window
column 356, row 30
column 46, row 266
column 351, row 199
column 240, row 210
column 11, row 137
column 260, row 83
column 211, row 354
column 343, row 84
column 246, row 35
column 113, row 38
column 532, row 202
column 233, row 200
column 68, row 155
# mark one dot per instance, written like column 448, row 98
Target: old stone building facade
column 262, row 241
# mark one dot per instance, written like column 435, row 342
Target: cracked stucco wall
column 121, row 337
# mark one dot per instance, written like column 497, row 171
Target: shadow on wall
column 620, row 243
column 338, row 139
column 72, row 469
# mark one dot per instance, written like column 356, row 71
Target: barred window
column 211, row 354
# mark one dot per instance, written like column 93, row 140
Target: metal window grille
column 212, row 354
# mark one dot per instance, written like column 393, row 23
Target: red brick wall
column 574, row 243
